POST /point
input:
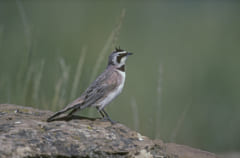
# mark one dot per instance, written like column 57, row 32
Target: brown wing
column 100, row 88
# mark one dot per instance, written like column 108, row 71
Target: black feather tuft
column 118, row 49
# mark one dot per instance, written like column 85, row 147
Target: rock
column 24, row 132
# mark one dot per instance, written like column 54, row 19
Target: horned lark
column 104, row 89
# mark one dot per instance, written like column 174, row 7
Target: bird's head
column 118, row 57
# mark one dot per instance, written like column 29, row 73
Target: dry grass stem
column 27, row 83
column 179, row 123
column 37, row 82
column 27, row 31
column 61, row 86
column 135, row 113
column 78, row 73
column 65, row 76
column 159, row 98
column 57, row 93
column 109, row 44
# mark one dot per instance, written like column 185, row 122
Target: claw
column 109, row 119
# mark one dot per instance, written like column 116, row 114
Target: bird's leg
column 102, row 114
column 107, row 117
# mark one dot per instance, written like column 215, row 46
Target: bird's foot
column 109, row 119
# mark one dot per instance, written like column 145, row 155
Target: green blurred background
column 183, row 81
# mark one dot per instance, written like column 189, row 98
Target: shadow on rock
column 73, row 117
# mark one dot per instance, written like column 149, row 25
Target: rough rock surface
column 25, row 133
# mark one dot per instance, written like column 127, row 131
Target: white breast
column 115, row 93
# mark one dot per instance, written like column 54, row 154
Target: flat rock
column 24, row 132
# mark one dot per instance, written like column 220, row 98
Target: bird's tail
column 61, row 112
column 77, row 104
column 54, row 115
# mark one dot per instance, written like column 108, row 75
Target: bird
column 103, row 90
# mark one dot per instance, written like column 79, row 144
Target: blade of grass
column 135, row 113
column 109, row 44
column 78, row 74
column 179, row 123
column 27, row 32
column 26, row 27
column 61, row 86
column 65, row 75
column 37, row 82
column 27, row 84
column 159, row 99
column 57, row 94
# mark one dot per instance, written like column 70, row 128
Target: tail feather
column 55, row 115
column 74, row 105
column 78, row 104
column 67, row 108
column 61, row 112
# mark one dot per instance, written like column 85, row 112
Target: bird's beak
column 128, row 53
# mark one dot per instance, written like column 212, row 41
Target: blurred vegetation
column 183, row 82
